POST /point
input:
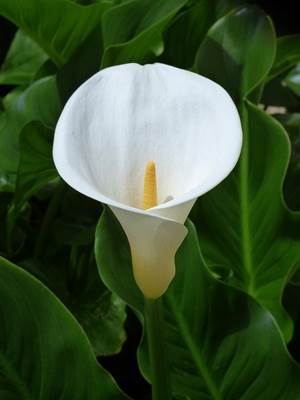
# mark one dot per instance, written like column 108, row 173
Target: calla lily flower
column 182, row 128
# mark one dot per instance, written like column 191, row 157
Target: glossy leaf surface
column 22, row 61
column 209, row 327
column 132, row 35
column 21, row 107
column 58, row 26
column 242, row 223
column 240, row 45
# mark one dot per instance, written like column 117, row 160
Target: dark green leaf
column 36, row 168
column 22, row 61
column 65, row 263
column 185, row 35
column 189, row 28
column 244, row 224
column 76, row 282
column 132, row 31
column 210, row 327
column 288, row 54
column 46, row 354
column 291, row 122
column 58, row 26
column 84, row 63
column 222, row 7
column 238, row 51
column 39, row 102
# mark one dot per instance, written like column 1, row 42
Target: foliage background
column 47, row 49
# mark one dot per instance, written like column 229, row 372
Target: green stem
column 160, row 378
column 49, row 216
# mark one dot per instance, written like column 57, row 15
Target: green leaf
column 64, row 262
column 23, row 60
column 76, row 283
column 132, row 31
column 209, row 327
column 101, row 313
column 58, row 26
column 77, row 218
column 222, row 7
column 5, row 200
column 20, row 107
column 36, row 168
column 238, row 51
column 288, row 54
column 9, row 154
column 291, row 122
column 43, row 351
column 244, row 224
column 184, row 36
column 189, row 28
column 83, row 64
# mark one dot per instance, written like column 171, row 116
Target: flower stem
column 160, row 378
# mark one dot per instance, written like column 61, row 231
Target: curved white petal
column 153, row 244
column 126, row 115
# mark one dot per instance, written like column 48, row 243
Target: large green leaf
column 132, row 30
column 44, row 353
column 22, row 61
column 221, row 344
column 238, row 51
column 244, row 225
column 58, row 26
column 288, row 54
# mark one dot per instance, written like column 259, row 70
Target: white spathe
column 126, row 115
